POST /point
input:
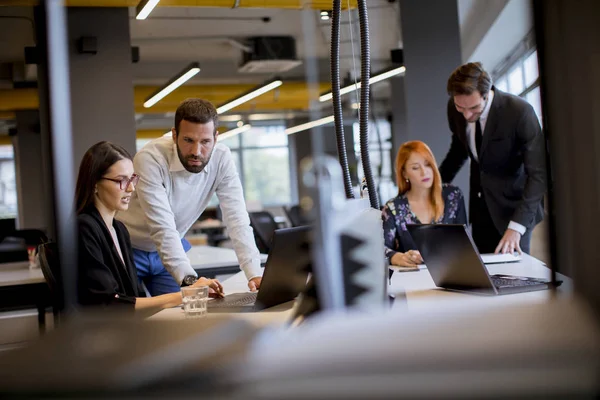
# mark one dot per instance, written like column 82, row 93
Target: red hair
column 435, row 196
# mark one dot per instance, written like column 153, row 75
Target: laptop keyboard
column 503, row 282
column 234, row 300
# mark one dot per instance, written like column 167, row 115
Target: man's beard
column 195, row 169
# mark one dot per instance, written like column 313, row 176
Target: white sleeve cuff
column 252, row 270
column 515, row 226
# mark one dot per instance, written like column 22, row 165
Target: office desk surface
column 422, row 294
column 416, row 292
column 205, row 257
column 273, row 316
column 18, row 273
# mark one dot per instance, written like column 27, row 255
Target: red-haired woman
column 422, row 199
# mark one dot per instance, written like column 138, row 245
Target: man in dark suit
column 502, row 136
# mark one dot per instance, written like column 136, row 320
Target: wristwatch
column 188, row 280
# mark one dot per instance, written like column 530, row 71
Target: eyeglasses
column 124, row 183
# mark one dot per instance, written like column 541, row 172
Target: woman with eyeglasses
column 107, row 274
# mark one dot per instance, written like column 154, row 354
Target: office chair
column 49, row 263
column 264, row 226
column 13, row 245
column 295, row 215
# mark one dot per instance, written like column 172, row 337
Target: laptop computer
column 454, row 262
column 283, row 279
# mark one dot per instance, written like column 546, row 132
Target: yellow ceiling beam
column 282, row 4
column 10, row 115
column 289, row 96
column 18, row 99
column 156, row 133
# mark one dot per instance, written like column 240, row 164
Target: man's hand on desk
column 509, row 243
column 254, row 284
column 215, row 289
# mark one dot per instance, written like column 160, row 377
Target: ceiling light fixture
column 144, row 8
column 249, row 96
column 233, row 132
column 309, row 125
column 325, row 15
column 374, row 79
column 173, row 84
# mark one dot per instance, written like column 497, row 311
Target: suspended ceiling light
column 309, row 125
column 249, row 96
column 233, row 132
column 173, row 84
column 374, row 79
column 144, row 8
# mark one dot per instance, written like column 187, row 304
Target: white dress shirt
column 471, row 137
column 168, row 200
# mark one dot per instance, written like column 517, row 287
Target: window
column 515, row 80
column 522, row 80
column 8, row 184
column 531, row 69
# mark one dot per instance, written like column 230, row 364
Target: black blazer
column 512, row 166
column 103, row 279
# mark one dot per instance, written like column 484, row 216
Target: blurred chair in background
column 264, row 226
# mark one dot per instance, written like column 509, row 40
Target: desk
column 422, row 294
column 22, row 288
column 210, row 261
column 19, row 273
column 273, row 316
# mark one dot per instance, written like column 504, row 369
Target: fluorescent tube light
column 309, row 125
column 372, row 80
column 233, row 132
column 249, row 96
column 177, row 81
column 144, row 8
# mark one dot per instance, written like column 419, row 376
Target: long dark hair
column 96, row 161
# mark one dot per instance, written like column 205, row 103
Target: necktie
column 478, row 138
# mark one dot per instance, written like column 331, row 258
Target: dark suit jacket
column 103, row 279
column 512, row 165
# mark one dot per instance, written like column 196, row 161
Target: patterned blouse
column 397, row 214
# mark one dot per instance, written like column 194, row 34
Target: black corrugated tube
column 336, row 98
column 365, row 72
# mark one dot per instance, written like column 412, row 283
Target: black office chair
column 264, row 226
column 50, row 265
column 296, row 216
column 13, row 245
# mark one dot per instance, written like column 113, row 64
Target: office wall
column 101, row 84
column 432, row 50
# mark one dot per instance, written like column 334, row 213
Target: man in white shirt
column 179, row 173
column 502, row 136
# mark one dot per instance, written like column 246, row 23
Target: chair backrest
column 264, row 227
column 294, row 214
column 13, row 245
column 50, row 265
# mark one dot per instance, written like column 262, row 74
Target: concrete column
column 101, row 84
column 431, row 43
column 398, row 123
column 301, row 147
column 29, row 172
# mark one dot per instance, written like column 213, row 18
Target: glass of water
column 195, row 299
